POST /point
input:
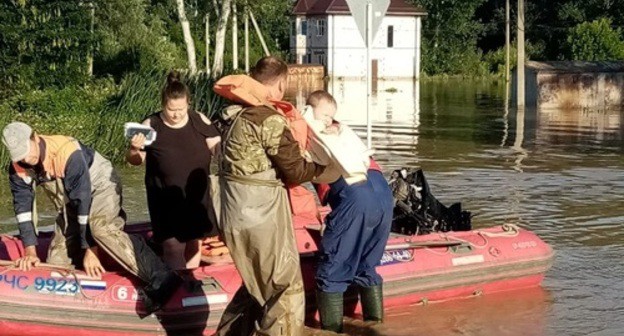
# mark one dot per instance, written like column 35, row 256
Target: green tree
column 274, row 18
column 450, row 34
column 44, row 42
column 134, row 35
column 595, row 41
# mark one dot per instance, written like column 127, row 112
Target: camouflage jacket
column 259, row 140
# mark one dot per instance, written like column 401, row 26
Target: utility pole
column 208, row 44
column 369, row 74
column 507, row 41
column 234, row 37
column 520, row 67
column 368, row 15
column 246, row 39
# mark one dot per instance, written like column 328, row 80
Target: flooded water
column 557, row 173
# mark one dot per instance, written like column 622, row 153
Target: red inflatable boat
column 415, row 269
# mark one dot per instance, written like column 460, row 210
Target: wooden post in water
column 520, row 67
column 418, row 47
column 234, row 37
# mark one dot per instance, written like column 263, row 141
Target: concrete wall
column 583, row 90
column 572, row 87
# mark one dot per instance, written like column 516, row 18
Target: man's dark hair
column 269, row 69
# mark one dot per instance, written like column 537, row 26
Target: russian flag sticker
column 93, row 285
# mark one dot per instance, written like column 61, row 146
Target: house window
column 321, row 57
column 390, row 36
column 309, row 58
column 320, row 27
column 304, row 27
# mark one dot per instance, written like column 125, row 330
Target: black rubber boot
column 371, row 299
column 157, row 293
column 330, row 309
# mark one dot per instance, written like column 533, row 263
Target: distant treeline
column 55, row 43
column 467, row 37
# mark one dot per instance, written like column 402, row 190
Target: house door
column 375, row 73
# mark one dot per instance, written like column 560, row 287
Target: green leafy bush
column 44, row 43
column 595, row 41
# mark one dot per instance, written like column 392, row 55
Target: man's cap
column 16, row 138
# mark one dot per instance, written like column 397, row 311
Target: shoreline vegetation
column 95, row 113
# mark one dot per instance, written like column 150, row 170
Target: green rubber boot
column 330, row 309
column 371, row 299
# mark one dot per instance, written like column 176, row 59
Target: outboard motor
column 418, row 212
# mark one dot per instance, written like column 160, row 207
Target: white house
column 324, row 32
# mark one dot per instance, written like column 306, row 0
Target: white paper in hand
column 132, row 128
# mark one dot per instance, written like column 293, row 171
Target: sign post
column 368, row 15
column 369, row 74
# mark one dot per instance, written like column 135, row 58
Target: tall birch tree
column 217, row 66
column 188, row 38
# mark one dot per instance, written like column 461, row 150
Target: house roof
column 340, row 7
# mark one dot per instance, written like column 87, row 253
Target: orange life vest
column 244, row 90
column 58, row 150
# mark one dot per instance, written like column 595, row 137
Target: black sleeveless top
column 177, row 180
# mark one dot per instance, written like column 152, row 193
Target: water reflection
column 585, row 126
column 517, row 146
column 395, row 115
column 514, row 313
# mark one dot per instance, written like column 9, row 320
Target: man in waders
column 86, row 191
column 260, row 159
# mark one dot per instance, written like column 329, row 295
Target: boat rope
column 485, row 244
column 425, row 301
column 435, row 250
column 10, row 264
column 8, row 236
column 509, row 231
column 7, row 269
